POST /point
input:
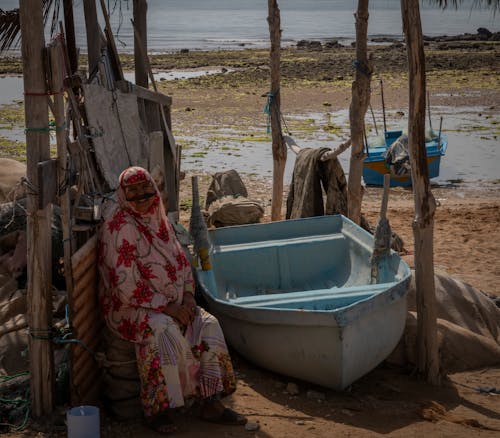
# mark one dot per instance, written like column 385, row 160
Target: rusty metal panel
column 87, row 324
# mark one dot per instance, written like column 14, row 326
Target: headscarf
column 142, row 265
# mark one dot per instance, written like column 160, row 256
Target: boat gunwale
column 339, row 317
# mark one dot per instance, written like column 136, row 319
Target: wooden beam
column 140, row 13
column 279, row 146
column 38, row 221
column 425, row 204
column 69, row 27
column 47, row 183
column 59, row 73
column 113, row 52
column 94, row 42
column 144, row 93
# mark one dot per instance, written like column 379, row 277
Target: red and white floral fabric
column 144, row 268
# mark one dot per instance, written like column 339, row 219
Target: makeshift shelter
column 103, row 124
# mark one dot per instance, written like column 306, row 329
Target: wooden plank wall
column 87, row 325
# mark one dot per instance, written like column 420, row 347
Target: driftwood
column 327, row 155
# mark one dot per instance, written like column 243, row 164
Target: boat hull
column 374, row 165
column 330, row 336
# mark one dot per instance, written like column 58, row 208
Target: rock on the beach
column 315, row 395
column 292, row 388
column 252, row 427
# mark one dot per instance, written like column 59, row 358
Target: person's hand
column 189, row 302
column 180, row 313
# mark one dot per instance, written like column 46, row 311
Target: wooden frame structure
column 76, row 153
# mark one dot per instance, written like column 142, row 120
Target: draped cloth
column 311, row 178
column 143, row 268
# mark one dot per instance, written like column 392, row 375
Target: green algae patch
column 12, row 149
column 12, row 114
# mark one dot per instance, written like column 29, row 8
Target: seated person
column 147, row 298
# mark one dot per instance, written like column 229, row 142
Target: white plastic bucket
column 83, row 422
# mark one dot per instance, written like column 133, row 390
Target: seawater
column 236, row 24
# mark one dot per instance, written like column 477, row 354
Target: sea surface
column 236, row 24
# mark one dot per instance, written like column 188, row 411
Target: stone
column 315, row 395
column 252, row 427
column 292, row 388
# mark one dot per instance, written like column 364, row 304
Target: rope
column 267, row 110
column 362, row 68
column 17, row 403
column 52, row 127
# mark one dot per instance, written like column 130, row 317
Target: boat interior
column 310, row 264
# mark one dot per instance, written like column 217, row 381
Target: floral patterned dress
column 143, row 268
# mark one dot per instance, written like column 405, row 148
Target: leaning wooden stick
column 290, row 142
column 382, row 236
column 330, row 155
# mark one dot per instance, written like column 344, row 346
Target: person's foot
column 162, row 423
column 215, row 412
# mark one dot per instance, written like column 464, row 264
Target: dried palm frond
column 493, row 4
column 10, row 25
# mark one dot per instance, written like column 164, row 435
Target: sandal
column 162, row 423
column 228, row 416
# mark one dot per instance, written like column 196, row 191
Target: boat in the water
column 385, row 156
column 295, row 297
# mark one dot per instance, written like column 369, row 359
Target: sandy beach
column 223, row 114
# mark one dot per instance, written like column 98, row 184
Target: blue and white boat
column 295, row 297
column 375, row 164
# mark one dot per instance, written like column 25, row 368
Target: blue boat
column 374, row 165
column 295, row 297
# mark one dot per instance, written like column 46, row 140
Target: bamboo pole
column 425, row 205
column 140, row 13
column 38, row 220
column 279, row 146
column 357, row 110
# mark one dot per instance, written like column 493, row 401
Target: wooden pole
column 359, row 105
column 279, row 146
column 58, row 74
column 175, row 162
column 93, row 34
column 38, row 220
column 69, row 27
column 425, row 205
column 140, row 14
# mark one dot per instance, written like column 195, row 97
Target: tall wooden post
column 93, row 34
column 359, row 106
column 69, row 27
column 140, row 24
column 38, row 220
column 279, row 146
column 57, row 77
column 425, row 205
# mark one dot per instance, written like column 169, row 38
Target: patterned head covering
column 134, row 175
